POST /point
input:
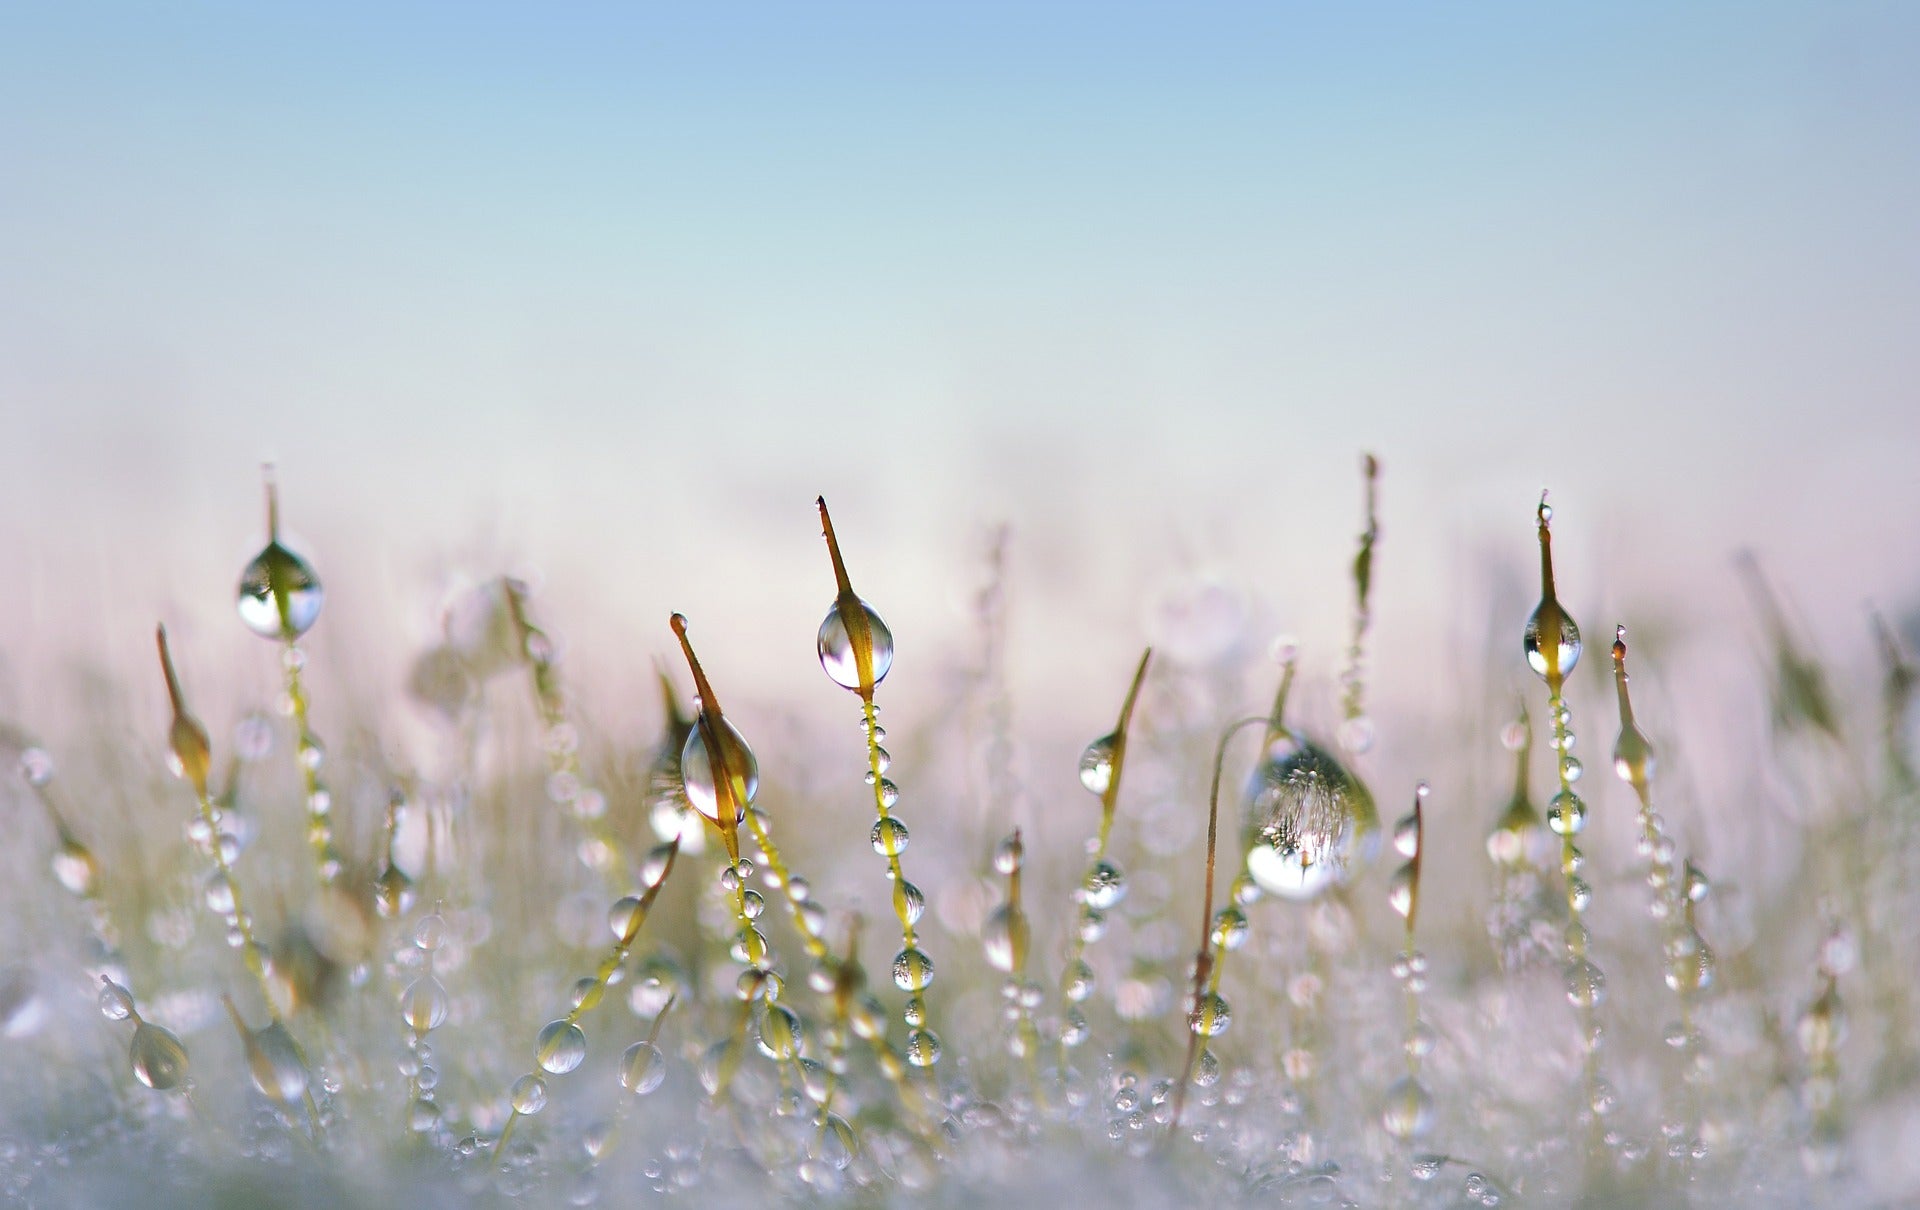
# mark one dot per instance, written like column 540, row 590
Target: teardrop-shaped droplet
column 1633, row 756
column 1566, row 640
column 1096, row 764
column 275, row 1065
column 642, row 1068
column 696, row 772
column 279, row 597
column 1005, row 936
column 116, row 1002
column 1009, row 854
column 1400, row 891
column 561, row 1047
column 393, row 892
column 779, row 1032
column 624, row 917
column 1586, row 986
column 1309, row 821
column 1077, row 982
column 1406, row 836
column 74, row 866
column 836, row 647
column 159, row 1060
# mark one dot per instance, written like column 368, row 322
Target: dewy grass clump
column 394, row 986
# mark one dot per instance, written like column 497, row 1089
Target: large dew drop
column 280, row 596
column 561, row 1047
column 696, row 771
column 1534, row 642
column 836, row 647
column 1096, row 764
column 1309, row 821
column 159, row 1060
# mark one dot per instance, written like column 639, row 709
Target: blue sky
column 613, row 288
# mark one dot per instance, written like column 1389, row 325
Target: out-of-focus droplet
column 159, row 1060
column 1096, row 764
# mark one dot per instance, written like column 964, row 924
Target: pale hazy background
column 611, row 292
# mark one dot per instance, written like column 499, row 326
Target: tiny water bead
column 1105, row 887
column 889, row 837
column 560, row 1048
column 74, row 867
column 642, row 1068
column 1096, row 764
column 912, row 970
column 1408, row 1113
column 1005, row 937
column 1586, row 986
column 837, row 652
column 529, row 1095
column 116, row 1002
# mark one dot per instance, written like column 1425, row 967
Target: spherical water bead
column 279, row 595
column 752, row 904
column 219, row 893
column 1210, row 1015
column 1692, row 968
column 1005, row 936
column 1633, row 759
column 838, row 1143
column 1579, row 894
column 1568, row 648
column 423, row 1006
column 1077, row 982
column 1093, row 925
column 1566, row 814
column 1096, row 764
column 642, row 1068
column 1008, row 855
column 1400, row 891
column 912, row 970
column 529, row 1095
column 116, row 1002
column 923, row 1048
column 1229, row 928
column 1074, row 1028
column 779, row 1036
column 1105, row 887
column 1586, row 986
column 1696, row 887
column 836, row 648
column 1571, row 769
column 889, row 837
column 74, row 867
column 1408, row 1113
column 749, row 947
column 696, row 771
column 423, row 1116
column 159, row 1060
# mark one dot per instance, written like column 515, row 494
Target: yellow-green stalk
column 856, row 651
column 1103, row 885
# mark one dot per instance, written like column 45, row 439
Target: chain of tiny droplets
column 809, row 921
column 1077, row 982
column 912, row 969
column 567, row 785
column 1820, row 1031
column 1585, row 982
column 561, row 1045
column 1410, row 1117
column 310, row 755
column 75, row 867
column 223, row 895
column 423, row 1007
column 1672, row 892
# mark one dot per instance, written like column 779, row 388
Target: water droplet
column 279, row 597
column 74, row 867
column 116, row 1002
column 836, row 648
column 624, row 917
column 529, row 1095
column 1586, row 986
column 1400, row 891
column 696, row 771
column 1355, row 735
column 219, row 893
column 923, row 1048
column 642, row 1068
column 393, row 892
column 1229, row 928
column 275, row 1065
column 1093, row 925
column 159, row 1060
column 36, row 766
column 1408, row 1113
column 1566, row 814
column 912, row 970
column 1005, row 936
column 1008, row 854
column 749, row 947
column 752, row 904
column 1571, row 768
column 423, row 1006
column 1567, row 648
column 1406, row 836
column 1309, row 819
column 1105, row 887
column 889, row 837
column 1096, row 764
column 1074, row 1028
column 1210, row 1015
column 779, row 1032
